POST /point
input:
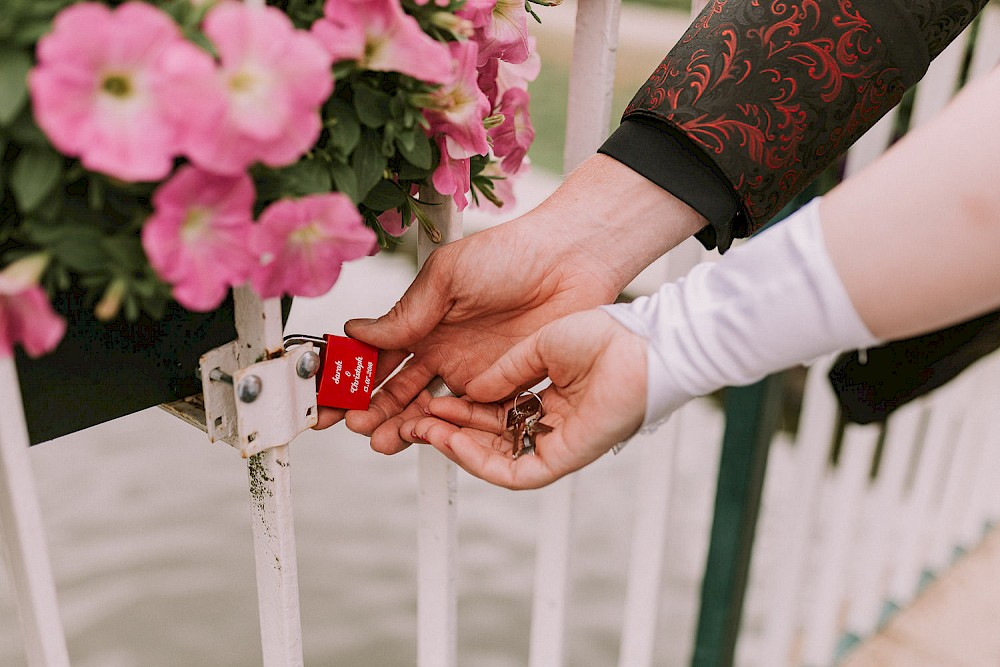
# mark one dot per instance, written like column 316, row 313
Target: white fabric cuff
column 774, row 302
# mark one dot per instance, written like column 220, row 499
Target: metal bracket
column 258, row 407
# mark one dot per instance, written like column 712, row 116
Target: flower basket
column 157, row 154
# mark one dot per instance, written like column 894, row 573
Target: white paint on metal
column 987, row 53
column 850, row 484
column 258, row 327
column 591, row 83
column 22, row 534
column 816, row 427
column 941, row 81
column 437, row 561
column 920, row 506
column 868, row 590
column 591, row 79
column 643, row 592
column 437, row 541
column 547, row 647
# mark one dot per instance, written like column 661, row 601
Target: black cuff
column 666, row 156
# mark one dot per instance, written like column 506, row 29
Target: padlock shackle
column 292, row 340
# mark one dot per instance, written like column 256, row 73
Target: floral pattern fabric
column 775, row 90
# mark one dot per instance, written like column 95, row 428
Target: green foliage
column 374, row 148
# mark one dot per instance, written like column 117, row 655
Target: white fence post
column 437, row 540
column 258, row 326
column 588, row 119
column 22, row 533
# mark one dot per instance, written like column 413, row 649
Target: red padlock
column 346, row 375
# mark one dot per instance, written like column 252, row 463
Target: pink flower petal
column 381, row 36
column 304, row 242
column 95, row 91
column 197, row 239
column 27, row 318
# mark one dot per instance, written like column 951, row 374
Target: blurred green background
column 640, row 51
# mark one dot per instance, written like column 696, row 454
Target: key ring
column 528, row 391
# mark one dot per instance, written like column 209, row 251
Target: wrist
column 612, row 221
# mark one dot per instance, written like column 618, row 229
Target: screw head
column 249, row 388
column 308, row 365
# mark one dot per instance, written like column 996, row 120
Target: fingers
column 414, row 316
column 388, row 437
column 327, row 417
column 521, row 366
column 391, row 399
column 485, row 455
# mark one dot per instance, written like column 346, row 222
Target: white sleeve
column 773, row 302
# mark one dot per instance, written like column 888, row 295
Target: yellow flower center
column 195, row 223
column 307, row 235
column 117, row 85
column 242, row 81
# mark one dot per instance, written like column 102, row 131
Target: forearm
column 773, row 93
column 915, row 236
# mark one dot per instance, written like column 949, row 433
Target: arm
column 908, row 245
column 758, row 98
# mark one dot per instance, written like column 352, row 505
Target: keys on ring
column 523, row 420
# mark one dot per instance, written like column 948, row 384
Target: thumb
column 522, row 366
column 413, row 317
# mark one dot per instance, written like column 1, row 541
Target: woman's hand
column 596, row 400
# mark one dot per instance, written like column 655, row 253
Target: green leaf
column 305, row 177
column 419, row 152
column 345, row 180
column 36, row 172
column 14, row 67
column 372, row 105
column 368, row 162
column 81, row 249
column 342, row 125
column 385, row 195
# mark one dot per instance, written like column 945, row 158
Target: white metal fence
column 838, row 548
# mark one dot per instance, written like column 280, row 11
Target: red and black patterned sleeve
column 759, row 96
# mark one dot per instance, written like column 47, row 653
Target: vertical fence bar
column 873, row 556
column 22, row 534
column 437, row 537
column 850, row 484
column 752, row 414
column 812, row 449
column 919, row 508
column 258, row 327
column 588, row 119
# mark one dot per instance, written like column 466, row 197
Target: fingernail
column 363, row 321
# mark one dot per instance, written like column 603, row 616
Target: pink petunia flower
column 457, row 109
column 453, row 176
column 380, row 36
column 392, row 222
column 519, row 75
column 262, row 102
column 505, row 35
column 26, row 316
column 503, row 187
column 197, row 239
column 513, row 137
column 304, row 242
column 98, row 92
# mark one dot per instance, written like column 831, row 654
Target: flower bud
column 456, row 25
column 111, row 303
column 24, row 273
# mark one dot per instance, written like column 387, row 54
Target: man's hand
column 473, row 300
column 597, row 399
column 476, row 298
